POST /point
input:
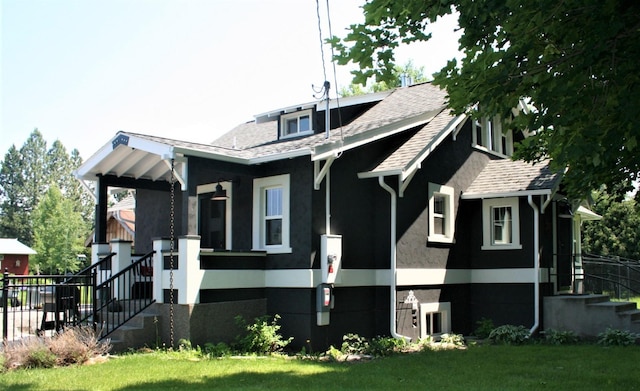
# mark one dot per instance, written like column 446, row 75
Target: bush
column 612, row 337
column 220, row 349
column 385, row 346
column 560, row 337
column 354, row 344
column 75, row 345
column 483, row 328
column 452, row 339
column 509, row 335
column 262, row 337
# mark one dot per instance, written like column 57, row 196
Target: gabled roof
column 508, row 178
column 141, row 156
column 14, row 247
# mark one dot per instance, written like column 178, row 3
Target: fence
column 44, row 304
column 615, row 276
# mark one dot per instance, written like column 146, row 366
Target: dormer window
column 295, row 124
column 488, row 135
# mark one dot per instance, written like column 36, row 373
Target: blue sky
column 81, row 70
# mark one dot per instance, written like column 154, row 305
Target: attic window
column 295, row 124
column 488, row 135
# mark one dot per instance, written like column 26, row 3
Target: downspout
column 392, row 284
column 536, row 263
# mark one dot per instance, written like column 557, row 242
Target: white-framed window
column 441, row 215
column 489, row 135
column 435, row 319
column 271, row 214
column 295, row 124
column 501, row 224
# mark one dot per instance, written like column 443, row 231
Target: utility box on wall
column 330, row 258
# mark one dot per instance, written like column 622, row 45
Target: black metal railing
column 44, row 304
column 37, row 305
column 124, row 295
column 615, row 276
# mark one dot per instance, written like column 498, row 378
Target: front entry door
column 212, row 222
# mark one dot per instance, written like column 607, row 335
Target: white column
column 160, row 247
column 188, row 278
column 121, row 259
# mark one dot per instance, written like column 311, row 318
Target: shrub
column 74, row 345
column 262, row 337
column 483, row 328
column 452, row 339
column 220, row 349
column 385, row 346
column 613, row 337
column 509, row 335
column 560, row 337
column 354, row 344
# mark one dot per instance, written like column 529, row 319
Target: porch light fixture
column 220, row 194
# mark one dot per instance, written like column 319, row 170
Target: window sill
column 298, row 134
column 440, row 239
column 275, row 250
column 487, row 150
column 503, row 247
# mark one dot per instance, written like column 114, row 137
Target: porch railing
column 124, row 295
column 618, row 277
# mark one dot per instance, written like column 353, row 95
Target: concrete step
column 618, row 306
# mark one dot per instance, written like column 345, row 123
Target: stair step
column 619, row 306
column 633, row 314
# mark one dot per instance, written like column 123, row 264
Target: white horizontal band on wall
column 310, row 278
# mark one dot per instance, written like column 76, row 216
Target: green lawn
column 532, row 367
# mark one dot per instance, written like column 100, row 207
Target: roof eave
column 518, row 193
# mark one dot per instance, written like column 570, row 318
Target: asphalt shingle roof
column 505, row 176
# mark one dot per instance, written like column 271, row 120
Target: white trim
column 444, row 309
column 259, row 186
column 487, row 207
column 310, row 278
column 524, row 193
column 284, row 118
column 449, row 215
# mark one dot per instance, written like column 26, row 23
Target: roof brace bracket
column 546, row 202
column 403, row 183
column 180, row 165
column 319, row 174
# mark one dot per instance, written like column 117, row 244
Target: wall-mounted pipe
column 536, row 263
column 392, row 284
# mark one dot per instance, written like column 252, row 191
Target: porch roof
column 509, row 178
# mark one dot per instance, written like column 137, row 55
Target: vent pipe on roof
column 327, row 114
column 405, row 80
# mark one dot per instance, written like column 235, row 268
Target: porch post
column 161, row 246
column 101, row 211
column 188, row 278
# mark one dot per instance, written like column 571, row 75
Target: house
column 398, row 219
column 121, row 221
column 14, row 256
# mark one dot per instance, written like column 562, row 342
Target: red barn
column 14, row 256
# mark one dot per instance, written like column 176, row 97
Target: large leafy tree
column 58, row 234
column 575, row 62
column 618, row 233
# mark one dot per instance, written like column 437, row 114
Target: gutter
column 392, row 284
column 536, row 263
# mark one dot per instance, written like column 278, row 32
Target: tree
column 26, row 175
column 58, row 232
column 14, row 222
column 574, row 62
column 618, row 233
column 415, row 74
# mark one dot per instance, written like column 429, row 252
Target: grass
column 531, row 367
